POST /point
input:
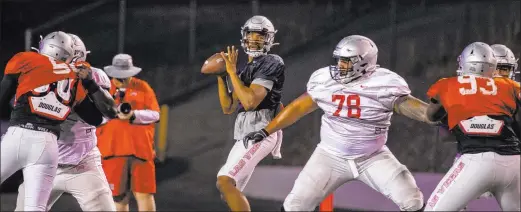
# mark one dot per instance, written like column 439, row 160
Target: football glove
column 255, row 137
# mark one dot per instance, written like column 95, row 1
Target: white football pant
column 36, row 153
column 474, row 174
column 324, row 173
column 241, row 161
column 86, row 182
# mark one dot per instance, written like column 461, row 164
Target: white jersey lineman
column 353, row 133
column 79, row 171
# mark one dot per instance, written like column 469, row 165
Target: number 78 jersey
column 464, row 97
column 357, row 115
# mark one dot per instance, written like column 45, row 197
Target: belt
column 30, row 126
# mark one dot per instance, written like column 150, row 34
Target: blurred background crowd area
column 418, row 39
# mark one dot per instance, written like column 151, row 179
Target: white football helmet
column 58, row 45
column 262, row 25
column 80, row 51
column 477, row 59
column 361, row 51
column 505, row 59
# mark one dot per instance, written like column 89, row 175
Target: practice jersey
column 78, row 138
column 268, row 71
column 464, row 97
column 480, row 112
column 46, row 92
column 357, row 115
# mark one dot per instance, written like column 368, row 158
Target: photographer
column 127, row 143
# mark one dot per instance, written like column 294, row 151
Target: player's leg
column 467, row 179
column 385, row 174
column 41, row 163
column 322, row 174
column 89, row 186
column 235, row 173
column 9, row 151
column 143, row 184
column 56, row 192
column 507, row 192
column 117, row 171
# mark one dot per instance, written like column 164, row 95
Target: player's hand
column 255, row 137
column 82, row 65
column 125, row 116
column 84, row 70
column 230, row 58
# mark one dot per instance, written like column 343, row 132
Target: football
column 214, row 65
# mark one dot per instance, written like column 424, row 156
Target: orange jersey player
column 46, row 89
column 480, row 110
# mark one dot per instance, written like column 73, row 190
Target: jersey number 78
column 352, row 103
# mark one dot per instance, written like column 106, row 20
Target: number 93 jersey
column 464, row 97
column 357, row 115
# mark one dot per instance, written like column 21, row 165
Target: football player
column 507, row 67
column 506, row 61
column 358, row 98
column 255, row 91
column 46, row 89
column 79, row 160
column 480, row 110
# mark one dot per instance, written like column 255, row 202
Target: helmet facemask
column 343, row 71
column 256, row 42
column 506, row 70
column 80, row 51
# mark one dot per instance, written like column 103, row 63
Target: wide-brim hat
column 122, row 67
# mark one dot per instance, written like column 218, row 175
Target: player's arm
column 8, row 87
column 413, row 108
column 293, row 112
column 227, row 98
column 250, row 97
column 435, row 111
column 100, row 97
column 89, row 112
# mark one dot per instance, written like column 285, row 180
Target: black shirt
column 267, row 67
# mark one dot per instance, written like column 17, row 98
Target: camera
column 124, row 108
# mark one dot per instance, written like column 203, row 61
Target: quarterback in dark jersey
column 255, row 92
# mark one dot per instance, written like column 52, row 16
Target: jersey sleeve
column 150, row 98
column 517, row 92
column 435, row 89
column 101, row 78
column 394, row 88
column 17, row 64
column 316, row 82
column 270, row 70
